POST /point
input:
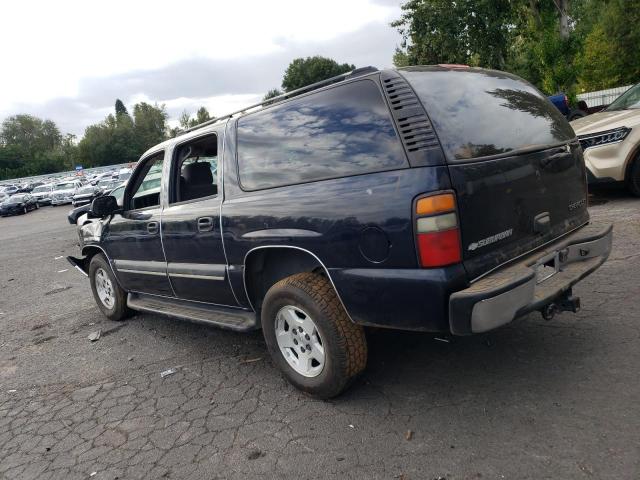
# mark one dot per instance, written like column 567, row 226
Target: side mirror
column 104, row 206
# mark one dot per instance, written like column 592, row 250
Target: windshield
column 65, row 186
column 89, row 189
column 627, row 101
column 43, row 188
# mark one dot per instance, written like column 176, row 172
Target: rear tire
column 339, row 345
column 633, row 177
column 110, row 298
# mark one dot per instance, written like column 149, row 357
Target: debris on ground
column 442, row 339
column 166, row 373
column 351, row 426
column 92, row 474
column 13, row 390
column 408, row 435
column 255, row 454
column 64, row 270
column 131, row 359
column 94, row 336
column 58, row 257
column 251, row 360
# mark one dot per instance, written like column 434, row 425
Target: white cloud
column 73, row 58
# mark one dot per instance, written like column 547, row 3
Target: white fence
column 602, row 97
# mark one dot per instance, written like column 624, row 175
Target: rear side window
column 342, row 131
column 479, row 113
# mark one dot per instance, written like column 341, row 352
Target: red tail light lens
column 439, row 249
column 437, row 230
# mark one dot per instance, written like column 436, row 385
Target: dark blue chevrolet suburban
column 439, row 199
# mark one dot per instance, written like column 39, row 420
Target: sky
column 69, row 60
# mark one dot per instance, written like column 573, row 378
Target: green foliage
column 274, row 92
column 120, row 108
column 121, row 138
column 474, row 32
column 30, row 145
column 305, row 71
column 610, row 56
column 596, row 49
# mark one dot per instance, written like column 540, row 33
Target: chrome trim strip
column 142, row 272
column 326, row 270
column 281, row 232
column 195, row 277
column 141, row 265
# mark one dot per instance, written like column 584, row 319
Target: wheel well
column 265, row 267
column 633, row 158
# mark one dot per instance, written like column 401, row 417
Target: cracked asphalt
column 533, row 400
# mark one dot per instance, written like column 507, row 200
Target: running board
column 224, row 317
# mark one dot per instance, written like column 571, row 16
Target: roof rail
column 314, row 86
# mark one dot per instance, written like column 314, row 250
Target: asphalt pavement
column 533, row 400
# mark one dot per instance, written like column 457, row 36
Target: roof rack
column 314, row 86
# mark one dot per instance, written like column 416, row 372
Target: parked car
column 78, row 212
column 561, row 102
column 344, row 205
column 43, row 194
column 610, row 140
column 107, row 183
column 18, row 204
column 10, row 189
column 86, row 194
column 64, row 191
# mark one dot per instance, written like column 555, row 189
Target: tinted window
column 345, row 130
column 478, row 113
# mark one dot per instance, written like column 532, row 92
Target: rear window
column 479, row 113
column 342, row 131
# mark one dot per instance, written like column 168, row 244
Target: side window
column 145, row 192
column 345, row 130
column 195, row 170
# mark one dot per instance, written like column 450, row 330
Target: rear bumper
column 513, row 291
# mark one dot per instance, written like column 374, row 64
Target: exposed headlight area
column 603, row 138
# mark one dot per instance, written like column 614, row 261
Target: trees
column 121, row 138
column 609, row 57
column 558, row 45
column 474, row 32
column 305, row 71
column 274, row 92
column 30, row 145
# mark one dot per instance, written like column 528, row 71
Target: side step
column 224, row 317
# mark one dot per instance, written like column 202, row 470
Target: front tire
column 633, row 178
column 110, row 298
column 310, row 337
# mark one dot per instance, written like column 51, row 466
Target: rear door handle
column 152, row 228
column 205, row 224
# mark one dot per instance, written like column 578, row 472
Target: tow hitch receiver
column 566, row 303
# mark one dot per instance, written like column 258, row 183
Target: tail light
column 437, row 230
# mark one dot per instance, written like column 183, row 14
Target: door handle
column 205, row 224
column 152, row 228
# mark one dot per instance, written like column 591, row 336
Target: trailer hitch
column 567, row 302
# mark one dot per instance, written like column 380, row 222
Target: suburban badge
column 489, row 240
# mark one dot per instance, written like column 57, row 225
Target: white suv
column 611, row 141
